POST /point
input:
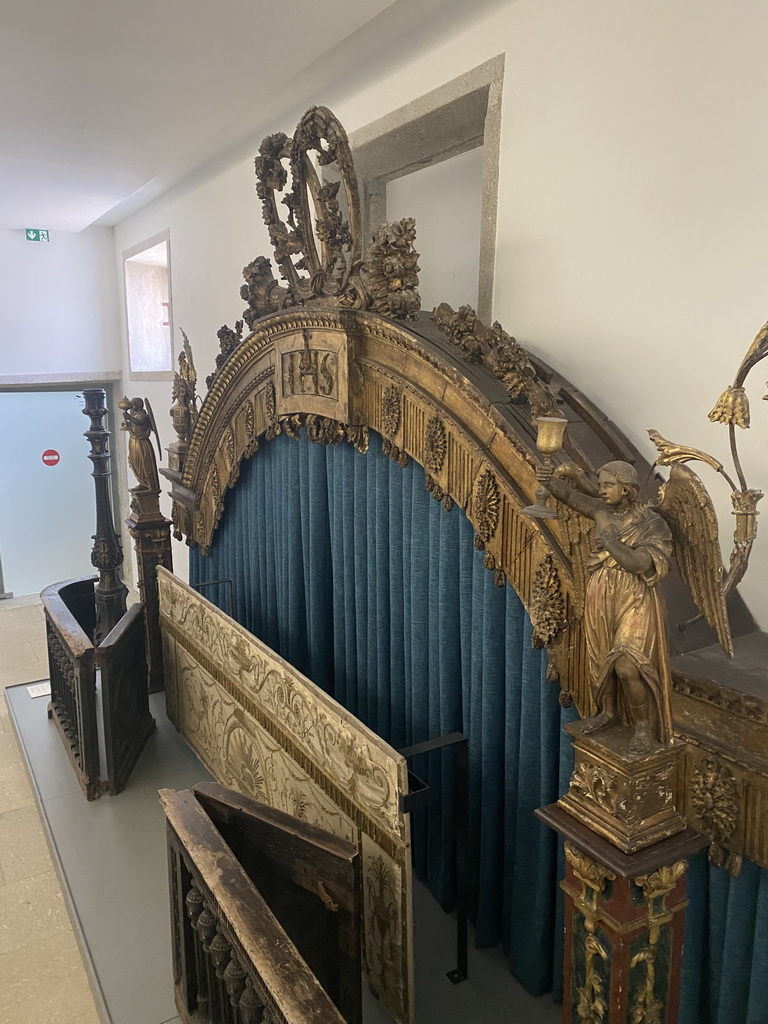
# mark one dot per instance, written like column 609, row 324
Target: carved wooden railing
column 70, row 620
column 233, row 963
column 72, row 667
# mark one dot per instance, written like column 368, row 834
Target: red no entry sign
column 51, row 457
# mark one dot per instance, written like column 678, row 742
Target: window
column 148, row 309
column 397, row 159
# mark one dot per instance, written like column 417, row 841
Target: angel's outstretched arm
column 584, row 504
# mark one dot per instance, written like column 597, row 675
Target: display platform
column 110, row 855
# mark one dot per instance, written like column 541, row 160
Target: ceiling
column 105, row 104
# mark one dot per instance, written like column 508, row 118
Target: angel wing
column 687, row 507
column 151, row 415
column 190, row 374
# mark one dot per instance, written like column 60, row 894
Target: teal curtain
column 346, row 566
column 725, row 967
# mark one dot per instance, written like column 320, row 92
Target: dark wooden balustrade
column 70, row 620
column 233, row 961
column 72, row 668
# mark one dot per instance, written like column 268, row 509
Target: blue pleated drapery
column 345, row 565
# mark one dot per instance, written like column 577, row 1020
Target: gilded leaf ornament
column 391, row 271
column 731, row 409
column 435, row 445
column 391, row 406
column 486, row 507
column 547, row 604
column 715, row 799
column 662, row 881
column 506, row 359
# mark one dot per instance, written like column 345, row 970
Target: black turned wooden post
column 107, row 555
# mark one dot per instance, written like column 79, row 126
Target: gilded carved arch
column 343, row 372
column 340, row 348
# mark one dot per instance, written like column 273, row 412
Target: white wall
column 59, row 308
column 633, row 207
column 446, row 200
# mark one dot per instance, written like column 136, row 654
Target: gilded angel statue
column 140, row 424
column 624, row 622
column 183, row 396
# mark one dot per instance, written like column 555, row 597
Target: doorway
column 47, row 505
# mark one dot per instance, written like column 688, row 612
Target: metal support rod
column 227, row 589
column 421, row 796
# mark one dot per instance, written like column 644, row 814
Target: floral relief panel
column 263, row 729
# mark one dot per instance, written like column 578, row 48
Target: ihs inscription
column 310, row 371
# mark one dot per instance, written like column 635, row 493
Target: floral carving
column 317, row 243
column 391, row 405
column 247, row 773
column 662, row 881
column 486, row 507
column 547, row 606
column 391, row 271
column 587, row 870
column 507, row 360
column 597, row 784
column 270, row 402
column 323, row 430
column 229, row 446
column 228, row 341
column 435, row 445
column 715, row 799
column 261, row 291
column 732, row 407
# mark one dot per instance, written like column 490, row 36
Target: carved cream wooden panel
column 264, row 729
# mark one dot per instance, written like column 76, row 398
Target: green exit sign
column 37, row 235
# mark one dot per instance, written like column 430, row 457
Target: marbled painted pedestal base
column 624, row 919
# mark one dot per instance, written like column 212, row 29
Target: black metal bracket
column 420, row 795
column 213, row 583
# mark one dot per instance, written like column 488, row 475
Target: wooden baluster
column 251, row 1006
column 206, row 929
column 194, row 903
column 234, row 979
column 220, row 952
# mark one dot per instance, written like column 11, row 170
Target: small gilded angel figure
column 140, row 424
column 624, row 621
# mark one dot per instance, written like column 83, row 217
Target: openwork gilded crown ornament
column 311, row 207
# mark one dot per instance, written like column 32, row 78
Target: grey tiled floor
column 42, row 972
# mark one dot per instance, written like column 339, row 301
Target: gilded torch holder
column 627, row 798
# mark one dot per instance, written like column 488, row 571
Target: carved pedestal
column 151, row 535
column 627, row 798
column 624, row 919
